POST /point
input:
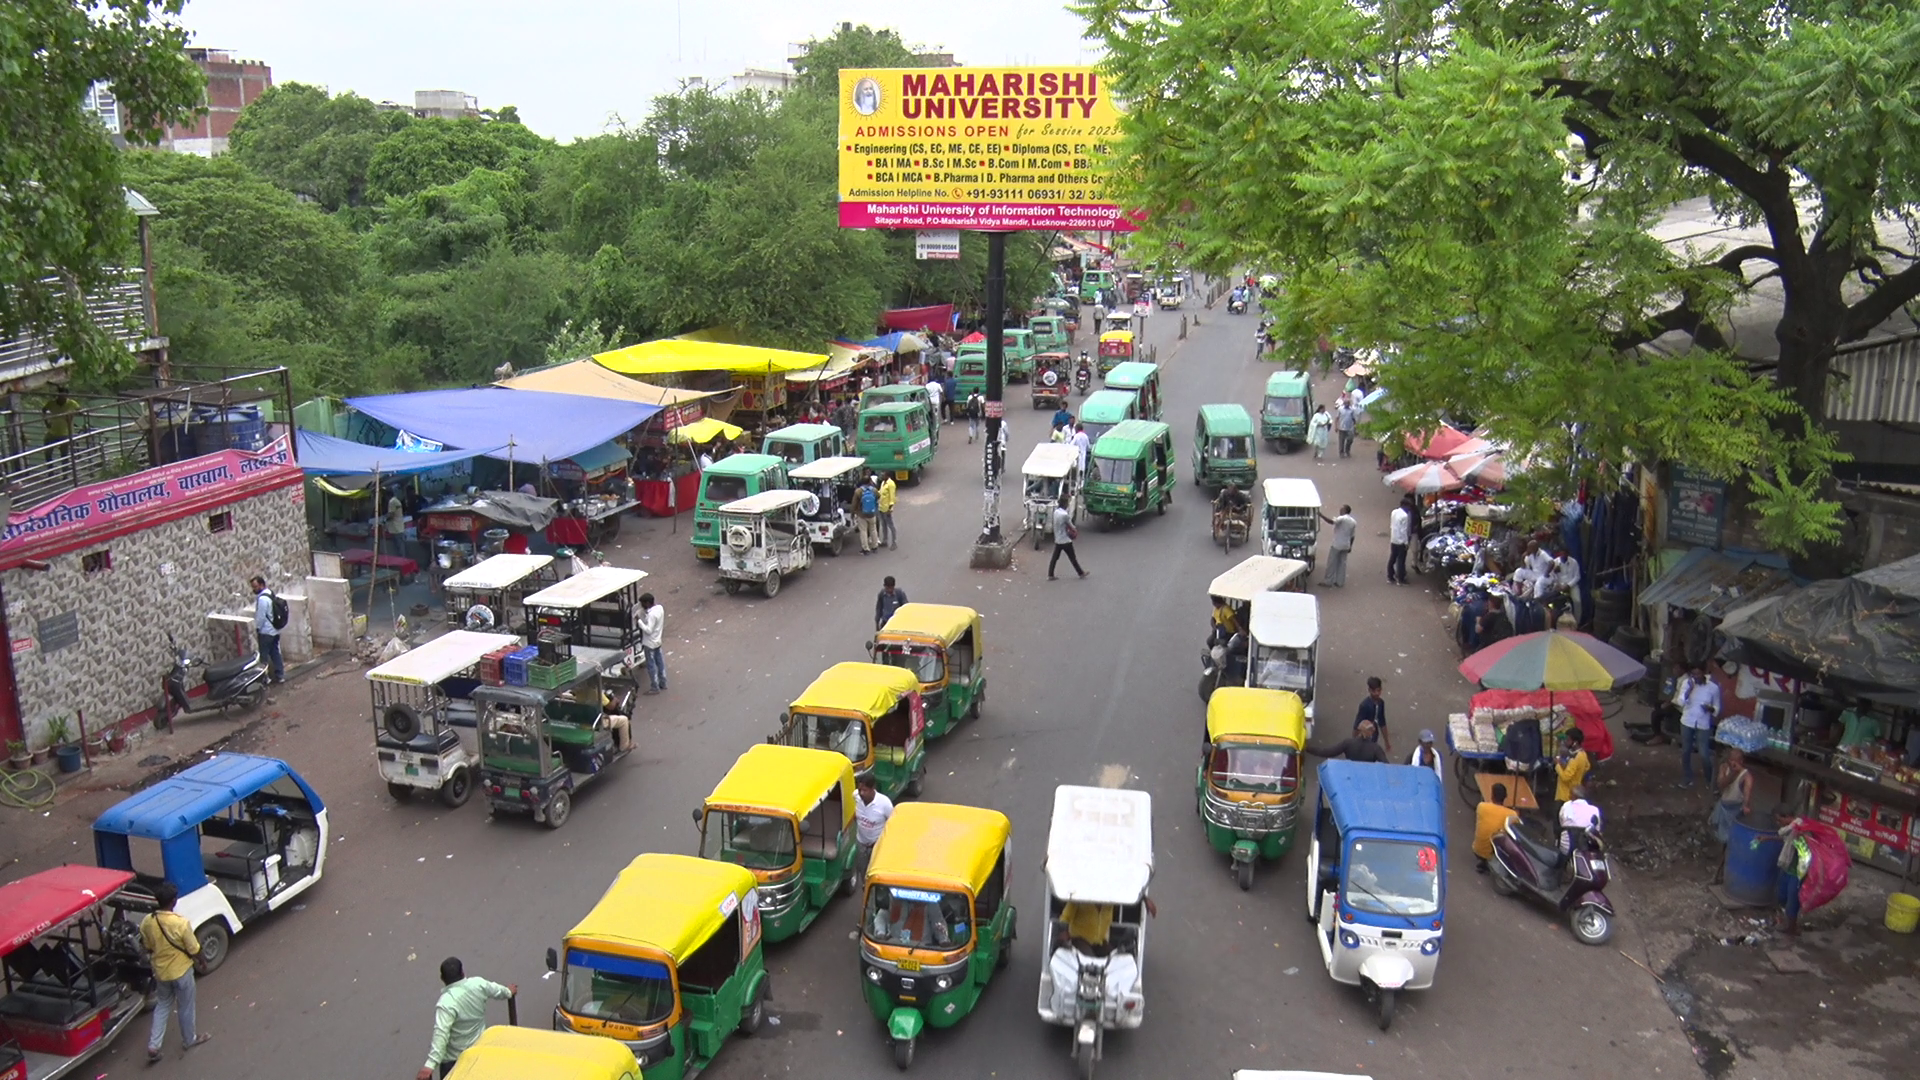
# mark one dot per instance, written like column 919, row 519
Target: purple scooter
column 1572, row 883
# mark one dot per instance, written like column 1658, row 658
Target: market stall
column 760, row 372
column 474, row 523
column 347, row 478
column 1850, row 734
column 595, row 491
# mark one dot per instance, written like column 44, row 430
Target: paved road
column 1090, row 679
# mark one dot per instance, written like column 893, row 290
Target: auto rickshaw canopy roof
column 1125, row 336
column 1052, row 460
column 1218, row 420
column 1370, row 796
column 1254, row 575
column 805, row 433
column 1129, row 439
column 1106, row 407
column 1287, row 384
column 443, row 657
column 40, row 902
column 766, row 502
column 943, row 623
column 940, row 845
column 744, row 464
column 1244, row 710
column 1286, row 619
column 497, row 572
column 856, row 687
column 893, row 408
column 789, row 780
column 504, row 1052
column 586, row 587
column 1290, row 491
column 1131, row 375
column 1100, row 847
column 826, row 468
column 669, row 904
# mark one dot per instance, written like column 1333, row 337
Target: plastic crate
column 493, row 667
column 515, row 665
column 551, row 676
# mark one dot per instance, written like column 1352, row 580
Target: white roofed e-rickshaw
column 419, row 698
column 1052, row 471
column 762, row 539
column 1099, row 864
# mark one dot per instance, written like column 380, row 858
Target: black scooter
column 238, row 683
column 1083, row 375
column 1521, row 864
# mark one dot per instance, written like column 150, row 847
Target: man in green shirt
column 57, row 415
column 460, row 1015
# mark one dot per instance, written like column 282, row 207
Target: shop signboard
column 987, row 149
column 1696, row 507
column 936, row 244
column 1870, row 821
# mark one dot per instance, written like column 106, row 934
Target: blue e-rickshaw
column 1377, row 877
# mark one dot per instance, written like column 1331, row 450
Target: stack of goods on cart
column 1749, row 735
column 1487, row 727
column 1880, row 763
column 1463, row 589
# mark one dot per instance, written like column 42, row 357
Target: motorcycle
column 1237, row 306
column 1223, row 664
column 238, row 683
column 1083, row 376
column 1521, row 864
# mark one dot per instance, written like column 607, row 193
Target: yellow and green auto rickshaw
column 1131, row 471
column 942, row 645
column 785, row 813
column 669, row 962
column 1248, row 788
column 871, row 714
column 938, row 918
column 516, row 1053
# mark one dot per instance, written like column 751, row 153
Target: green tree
column 1400, row 165
column 63, row 219
column 428, row 153
column 449, row 223
column 313, row 144
column 499, row 307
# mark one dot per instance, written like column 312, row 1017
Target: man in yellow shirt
column 1570, row 768
column 170, row 942
column 888, row 493
column 1489, row 820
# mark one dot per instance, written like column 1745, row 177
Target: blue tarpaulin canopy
column 324, row 455
column 522, row 425
column 893, row 342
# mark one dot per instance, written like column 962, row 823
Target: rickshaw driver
column 918, row 922
column 1232, row 503
column 1087, row 932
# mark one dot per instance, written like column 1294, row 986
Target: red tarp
column 974, row 338
column 936, row 317
column 33, row 905
column 1581, row 705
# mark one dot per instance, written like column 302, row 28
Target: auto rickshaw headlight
column 941, row 984
column 1430, row 946
column 1349, row 939
column 873, row 974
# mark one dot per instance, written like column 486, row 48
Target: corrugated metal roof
column 1716, row 582
column 1879, row 382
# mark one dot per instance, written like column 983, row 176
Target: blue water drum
column 1753, row 857
column 237, row 427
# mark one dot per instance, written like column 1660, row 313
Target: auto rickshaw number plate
column 903, row 474
column 707, row 553
column 909, row 965
column 413, row 770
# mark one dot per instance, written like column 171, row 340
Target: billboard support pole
column 996, row 378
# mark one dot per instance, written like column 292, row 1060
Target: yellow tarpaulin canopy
column 838, row 366
column 588, row 379
column 679, row 354
column 706, row 430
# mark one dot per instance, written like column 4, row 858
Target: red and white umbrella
column 1426, row 478
column 1486, row 468
column 1447, row 442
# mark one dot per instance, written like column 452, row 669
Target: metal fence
column 118, row 307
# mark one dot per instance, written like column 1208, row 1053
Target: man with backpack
column 866, row 513
column 269, row 618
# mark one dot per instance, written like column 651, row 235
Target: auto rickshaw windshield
column 840, row 734
column 794, row 453
column 725, row 489
column 1393, row 877
column 755, row 841
column 918, row 918
column 1042, row 487
column 926, row 662
column 1229, row 446
column 1285, row 406
column 1282, row 668
column 1116, row 470
column 1262, row 769
column 623, row 989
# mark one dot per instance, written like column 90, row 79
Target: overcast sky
column 571, row 64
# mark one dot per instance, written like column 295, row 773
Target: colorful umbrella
column 1487, row 469
column 1426, row 478
column 1442, row 444
column 1552, row 660
column 704, row 431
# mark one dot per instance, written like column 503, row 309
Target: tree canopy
column 63, row 220
column 1405, row 168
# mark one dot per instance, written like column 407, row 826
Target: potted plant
column 116, row 740
column 18, row 756
column 65, row 749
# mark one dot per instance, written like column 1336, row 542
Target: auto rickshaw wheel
column 771, row 586
column 732, row 587
column 973, row 707
column 903, row 1053
column 1387, row 1001
column 559, row 809
column 400, row 792
column 1243, row 874
column 457, row 789
column 756, row 1014
column 1084, row 1057
column 915, row 785
column 214, row 940
column 836, row 545
column 849, row 882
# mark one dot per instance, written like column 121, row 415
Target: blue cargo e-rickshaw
column 1377, row 877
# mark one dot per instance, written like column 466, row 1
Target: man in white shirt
column 933, row 397
column 1577, row 813
column 1084, row 445
column 1399, row 535
column 1699, row 701
column 705, row 461
column 871, row 811
column 1344, row 528
column 653, row 628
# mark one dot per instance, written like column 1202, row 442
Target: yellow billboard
column 991, row 149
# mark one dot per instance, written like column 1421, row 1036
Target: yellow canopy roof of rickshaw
column 789, row 780
column 514, row 1053
column 665, row 903
column 679, row 354
column 852, row 686
column 1246, row 710
column 1117, row 335
column 940, row 844
column 945, row 623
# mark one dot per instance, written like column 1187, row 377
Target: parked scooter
column 1083, row 375
column 1521, row 864
column 238, row 683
